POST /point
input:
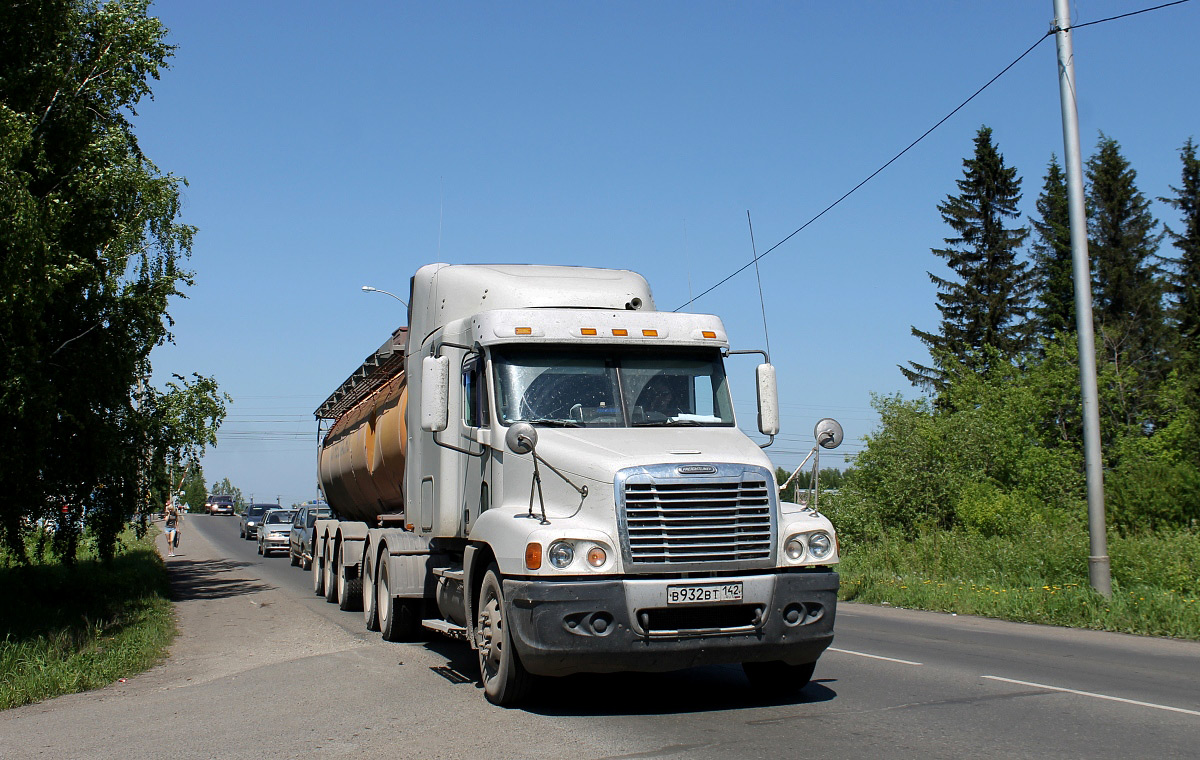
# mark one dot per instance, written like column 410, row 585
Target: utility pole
column 1099, row 571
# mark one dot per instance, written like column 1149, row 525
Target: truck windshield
column 613, row 388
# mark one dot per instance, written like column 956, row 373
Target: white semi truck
column 547, row 467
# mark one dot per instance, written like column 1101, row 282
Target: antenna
column 687, row 255
column 441, row 213
column 761, row 301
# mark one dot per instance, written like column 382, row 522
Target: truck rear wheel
column 397, row 617
column 349, row 590
column 778, row 679
column 318, row 575
column 505, row 680
column 332, row 567
column 370, row 604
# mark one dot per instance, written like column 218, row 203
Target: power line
column 1123, row 15
column 913, row 144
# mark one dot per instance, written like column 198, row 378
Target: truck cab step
column 451, row 630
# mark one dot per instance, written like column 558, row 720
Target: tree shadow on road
column 694, row 690
column 210, row 579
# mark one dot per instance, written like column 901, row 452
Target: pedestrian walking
column 173, row 520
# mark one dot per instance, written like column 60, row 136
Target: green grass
column 66, row 629
column 1040, row 576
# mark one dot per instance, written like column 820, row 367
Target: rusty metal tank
column 361, row 461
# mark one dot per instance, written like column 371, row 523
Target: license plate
column 701, row 593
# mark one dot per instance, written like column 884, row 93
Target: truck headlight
column 794, row 548
column 561, row 554
column 820, row 545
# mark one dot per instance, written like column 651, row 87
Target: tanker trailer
column 361, row 464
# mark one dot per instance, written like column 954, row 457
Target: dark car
column 301, row 537
column 219, row 505
column 251, row 518
column 273, row 530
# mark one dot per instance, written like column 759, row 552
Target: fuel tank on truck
column 361, row 461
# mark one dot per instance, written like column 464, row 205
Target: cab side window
column 474, row 406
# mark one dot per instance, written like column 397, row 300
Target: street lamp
column 369, row 289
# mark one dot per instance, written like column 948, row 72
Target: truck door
column 475, row 489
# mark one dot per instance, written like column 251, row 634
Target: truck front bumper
column 581, row 626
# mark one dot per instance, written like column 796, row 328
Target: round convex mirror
column 521, row 438
column 828, row 433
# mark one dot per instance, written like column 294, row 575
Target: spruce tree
column 1127, row 289
column 985, row 302
column 1122, row 241
column 1184, row 283
column 1052, row 265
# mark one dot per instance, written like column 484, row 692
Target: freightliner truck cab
column 577, row 495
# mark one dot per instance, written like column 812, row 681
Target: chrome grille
column 676, row 521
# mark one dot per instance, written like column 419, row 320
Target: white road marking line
column 1097, row 696
column 873, row 656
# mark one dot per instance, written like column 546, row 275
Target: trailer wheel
column 349, row 590
column 318, row 574
column 332, row 562
column 397, row 617
column 778, row 679
column 370, row 603
column 505, row 680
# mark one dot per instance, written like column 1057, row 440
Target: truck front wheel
column 778, row 679
column 505, row 680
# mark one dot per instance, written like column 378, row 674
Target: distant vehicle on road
column 251, row 517
column 273, row 531
column 219, row 504
column 300, row 540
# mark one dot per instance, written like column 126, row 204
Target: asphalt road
column 264, row 668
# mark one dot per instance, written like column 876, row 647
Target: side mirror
column 435, row 393
column 828, row 433
column 521, row 438
column 768, row 400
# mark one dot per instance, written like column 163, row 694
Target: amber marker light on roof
column 649, row 333
column 533, row 556
column 587, row 331
column 524, row 331
column 618, row 332
column 708, row 334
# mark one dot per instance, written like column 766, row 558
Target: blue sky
column 333, row 145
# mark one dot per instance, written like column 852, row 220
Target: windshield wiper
column 669, row 423
column 551, row 422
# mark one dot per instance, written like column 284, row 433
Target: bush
column 984, row 508
column 1151, row 494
